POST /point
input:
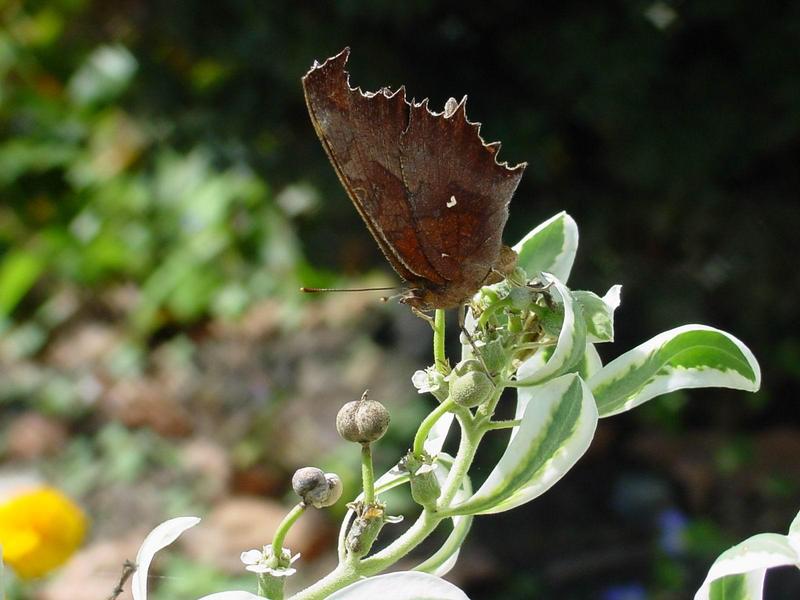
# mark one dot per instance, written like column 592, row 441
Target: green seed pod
column 465, row 366
column 425, row 489
column 471, row 389
column 362, row 421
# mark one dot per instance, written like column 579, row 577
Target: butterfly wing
column 459, row 195
column 361, row 134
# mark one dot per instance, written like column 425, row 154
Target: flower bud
column 317, row 488
column 520, row 298
column 494, row 356
column 471, row 389
column 362, row 421
column 365, row 529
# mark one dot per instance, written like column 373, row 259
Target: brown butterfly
column 429, row 189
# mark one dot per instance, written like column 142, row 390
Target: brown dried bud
column 317, row 488
column 362, row 421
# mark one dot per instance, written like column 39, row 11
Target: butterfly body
column 428, row 188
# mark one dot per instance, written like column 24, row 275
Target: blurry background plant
column 157, row 169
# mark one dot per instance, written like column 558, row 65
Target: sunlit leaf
column 599, row 313
column 557, row 427
column 570, row 345
column 404, row 585
column 161, row 537
column 691, row 356
column 18, row 272
column 738, row 573
column 550, row 247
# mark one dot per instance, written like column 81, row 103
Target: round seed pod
column 310, row 484
column 362, row 421
column 335, row 488
column 471, row 389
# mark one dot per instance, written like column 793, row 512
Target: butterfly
column 429, row 189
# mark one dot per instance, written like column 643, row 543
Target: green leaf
column 691, row 356
column 550, row 247
column 570, row 346
column 558, row 424
column 794, row 530
column 599, row 313
column 738, row 573
column 590, row 364
column 18, row 272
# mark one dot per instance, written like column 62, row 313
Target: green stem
column 439, row 357
column 426, row 426
column 367, row 474
column 467, row 447
column 284, row 527
column 502, row 424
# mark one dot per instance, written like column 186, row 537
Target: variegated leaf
column 161, row 537
column 599, row 313
column 557, row 428
column 691, row 356
column 550, row 247
column 738, row 573
column 570, row 346
column 404, row 585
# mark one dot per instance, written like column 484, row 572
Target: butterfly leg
column 462, row 317
column 423, row 316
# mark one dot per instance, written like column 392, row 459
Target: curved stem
column 426, row 426
column 284, row 527
column 439, row 357
column 367, row 474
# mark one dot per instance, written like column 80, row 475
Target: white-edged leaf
column 590, row 364
column 438, row 434
column 443, row 560
column 794, row 530
column 404, row 585
column 550, row 247
column 234, row 595
column 599, row 313
column 691, row 356
column 161, row 537
column 557, row 427
column 569, row 348
column 738, row 573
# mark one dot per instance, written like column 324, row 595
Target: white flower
column 428, row 381
column 260, row 561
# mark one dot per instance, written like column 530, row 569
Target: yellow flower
column 39, row 530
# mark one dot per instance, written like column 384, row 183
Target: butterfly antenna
column 316, row 290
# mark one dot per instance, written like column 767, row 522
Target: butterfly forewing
column 361, row 134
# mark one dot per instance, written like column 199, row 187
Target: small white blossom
column 259, row 561
column 428, row 381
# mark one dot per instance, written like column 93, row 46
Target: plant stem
column 502, row 424
column 439, row 357
column 426, row 426
column 284, row 527
column 467, row 447
column 367, row 474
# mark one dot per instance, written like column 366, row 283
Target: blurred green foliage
column 96, row 195
column 157, row 169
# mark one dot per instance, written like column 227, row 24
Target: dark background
column 670, row 131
